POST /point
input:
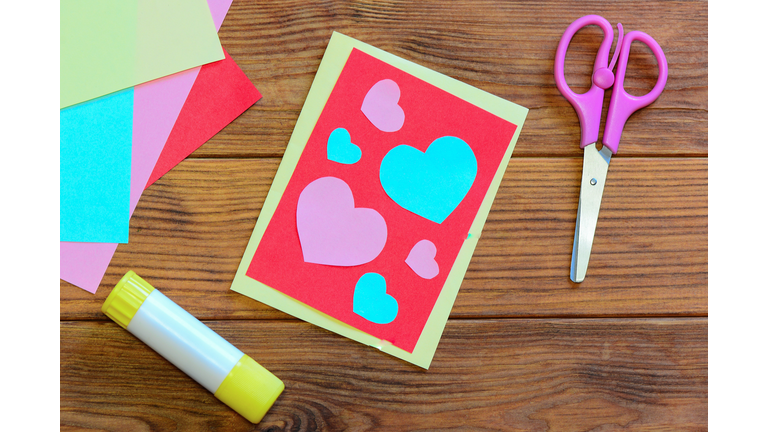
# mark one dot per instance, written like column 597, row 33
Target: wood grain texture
column 504, row 47
column 524, row 349
column 189, row 232
column 490, row 375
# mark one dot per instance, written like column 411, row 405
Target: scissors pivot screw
column 603, row 78
column 593, row 182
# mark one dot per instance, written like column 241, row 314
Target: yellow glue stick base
column 250, row 389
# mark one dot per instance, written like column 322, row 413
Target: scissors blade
column 593, row 176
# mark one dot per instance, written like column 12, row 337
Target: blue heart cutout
column 433, row 183
column 341, row 149
column 371, row 300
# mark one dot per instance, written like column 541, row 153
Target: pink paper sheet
column 157, row 105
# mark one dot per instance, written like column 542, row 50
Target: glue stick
column 233, row 377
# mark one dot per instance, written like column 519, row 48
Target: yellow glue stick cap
column 250, row 389
column 126, row 298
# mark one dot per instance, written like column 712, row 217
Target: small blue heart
column 341, row 149
column 371, row 300
column 430, row 184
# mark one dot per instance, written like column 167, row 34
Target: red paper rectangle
column 219, row 95
column 430, row 113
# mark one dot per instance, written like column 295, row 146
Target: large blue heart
column 371, row 300
column 430, row 184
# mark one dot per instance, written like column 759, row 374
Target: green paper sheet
column 339, row 48
column 110, row 45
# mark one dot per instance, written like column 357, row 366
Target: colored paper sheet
column 109, row 46
column 156, row 106
column 220, row 94
column 364, row 299
column 84, row 264
column 95, row 169
column 219, row 9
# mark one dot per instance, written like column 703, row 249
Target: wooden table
column 525, row 349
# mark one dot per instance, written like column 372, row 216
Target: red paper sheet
column 220, row 94
column 430, row 113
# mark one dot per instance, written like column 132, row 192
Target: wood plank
column 512, row 374
column 189, row 232
column 505, row 48
column 525, row 349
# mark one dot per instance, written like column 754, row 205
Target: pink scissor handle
column 589, row 105
column 624, row 104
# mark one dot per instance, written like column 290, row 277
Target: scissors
column 589, row 108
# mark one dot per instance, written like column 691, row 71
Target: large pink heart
column 381, row 108
column 332, row 231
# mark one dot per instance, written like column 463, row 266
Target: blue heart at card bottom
column 371, row 300
column 340, row 147
column 431, row 184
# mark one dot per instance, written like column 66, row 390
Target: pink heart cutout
column 332, row 231
column 381, row 108
column 421, row 259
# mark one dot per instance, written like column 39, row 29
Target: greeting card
column 380, row 199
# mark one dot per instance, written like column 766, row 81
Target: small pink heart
column 421, row 259
column 381, row 108
column 332, row 231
